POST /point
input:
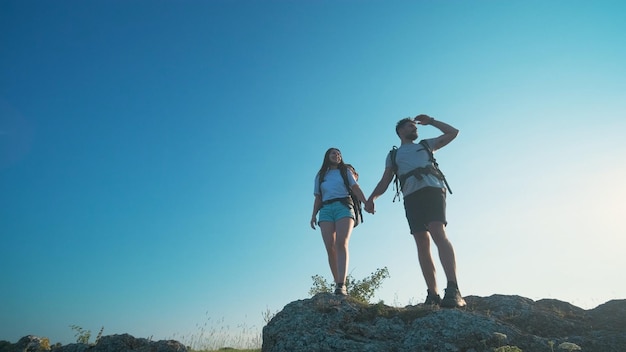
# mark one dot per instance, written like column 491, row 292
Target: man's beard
column 412, row 136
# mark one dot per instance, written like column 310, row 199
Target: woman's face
column 334, row 157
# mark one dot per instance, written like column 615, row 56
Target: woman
column 336, row 212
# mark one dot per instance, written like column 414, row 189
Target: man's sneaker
column 452, row 299
column 432, row 300
column 341, row 290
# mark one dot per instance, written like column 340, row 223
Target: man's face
column 408, row 130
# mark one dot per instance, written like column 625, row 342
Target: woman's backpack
column 356, row 203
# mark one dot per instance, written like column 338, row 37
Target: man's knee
column 422, row 237
column 437, row 232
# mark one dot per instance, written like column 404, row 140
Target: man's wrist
column 432, row 119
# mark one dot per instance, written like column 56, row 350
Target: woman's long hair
column 326, row 165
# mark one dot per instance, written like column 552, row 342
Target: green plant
column 320, row 285
column 45, row 344
column 82, row 335
column 365, row 288
column 99, row 336
column 362, row 290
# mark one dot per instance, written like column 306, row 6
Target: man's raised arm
column 449, row 132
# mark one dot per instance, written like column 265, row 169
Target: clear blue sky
column 157, row 157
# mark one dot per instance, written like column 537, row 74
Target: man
column 424, row 191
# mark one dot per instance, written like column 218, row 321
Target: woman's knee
column 341, row 244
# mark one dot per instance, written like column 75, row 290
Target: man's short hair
column 402, row 122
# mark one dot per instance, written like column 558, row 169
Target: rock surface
column 331, row 323
column 112, row 343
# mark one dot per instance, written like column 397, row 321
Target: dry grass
column 218, row 336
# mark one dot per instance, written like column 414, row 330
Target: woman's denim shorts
column 334, row 211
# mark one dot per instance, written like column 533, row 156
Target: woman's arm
column 317, row 205
column 359, row 193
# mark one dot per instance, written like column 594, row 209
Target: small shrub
column 82, row 335
column 362, row 290
column 45, row 344
column 320, row 285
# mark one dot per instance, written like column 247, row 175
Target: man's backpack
column 356, row 203
column 437, row 172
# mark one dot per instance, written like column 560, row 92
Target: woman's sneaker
column 341, row 290
column 452, row 299
column 432, row 300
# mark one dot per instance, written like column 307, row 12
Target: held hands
column 423, row 119
column 369, row 206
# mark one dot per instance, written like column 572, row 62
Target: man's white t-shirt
column 409, row 157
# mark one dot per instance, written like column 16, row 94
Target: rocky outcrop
column 331, row 323
column 112, row 343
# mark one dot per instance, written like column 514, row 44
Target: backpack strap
column 419, row 173
column 431, row 158
column 344, row 176
column 394, row 167
column 356, row 203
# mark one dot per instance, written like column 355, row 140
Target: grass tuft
column 218, row 336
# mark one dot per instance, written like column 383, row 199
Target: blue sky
column 157, row 157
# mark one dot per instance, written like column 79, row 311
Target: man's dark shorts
column 424, row 206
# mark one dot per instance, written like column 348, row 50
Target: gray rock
column 72, row 347
column 125, row 342
column 31, row 343
column 112, row 343
column 327, row 322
